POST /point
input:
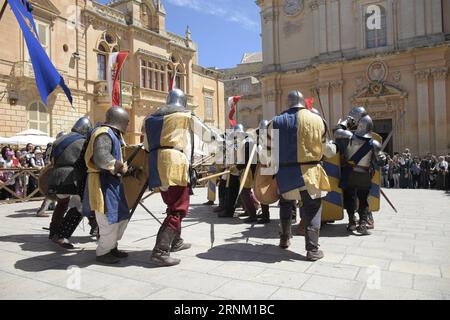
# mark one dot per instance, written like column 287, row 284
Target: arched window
column 38, row 117
column 376, row 28
column 108, row 43
column 178, row 82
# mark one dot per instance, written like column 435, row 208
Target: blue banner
column 46, row 75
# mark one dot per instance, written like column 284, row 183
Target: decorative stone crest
column 397, row 76
column 377, row 71
column 293, row 7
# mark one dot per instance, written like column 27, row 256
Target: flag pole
column 3, row 9
column 120, row 85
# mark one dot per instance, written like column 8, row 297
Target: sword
column 389, row 201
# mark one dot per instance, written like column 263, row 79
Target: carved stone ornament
column 293, row 7
column 377, row 72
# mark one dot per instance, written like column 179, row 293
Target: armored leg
column 264, row 218
column 286, row 221
column 163, row 247
column 311, row 215
column 70, row 223
column 58, row 216
column 363, row 211
column 349, row 205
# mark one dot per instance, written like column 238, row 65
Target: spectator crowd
column 406, row 171
column 29, row 157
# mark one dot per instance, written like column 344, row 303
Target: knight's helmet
column 296, row 99
column 355, row 115
column 365, row 127
column 177, row 98
column 117, row 118
column 83, row 126
column 264, row 124
column 239, row 128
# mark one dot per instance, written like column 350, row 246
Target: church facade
column 391, row 56
column 79, row 35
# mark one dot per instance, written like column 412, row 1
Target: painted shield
column 137, row 181
column 374, row 196
column 333, row 203
column 265, row 188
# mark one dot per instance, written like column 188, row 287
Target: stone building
column 243, row 81
column 78, row 35
column 392, row 56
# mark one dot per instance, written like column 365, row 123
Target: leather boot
column 312, row 244
column 108, row 258
column 119, row 253
column 178, row 244
column 370, row 222
column 362, row 228
column 70, row 223
column 163, row 246
column 285, row 235
column 351, row 222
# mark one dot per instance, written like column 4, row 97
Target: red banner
column 232, row 103
column 116, row 61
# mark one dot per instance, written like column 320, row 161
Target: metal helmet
column 177, row 98
column 117, row 118
column 264, row 124
column 296, row 99
column 239, row 128
column 82, row 126
column 365, row 127
column 357, row 113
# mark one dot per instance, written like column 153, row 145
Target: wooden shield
column 138, row 180
column 333, row 203
column 266, row 187
column 374, row 196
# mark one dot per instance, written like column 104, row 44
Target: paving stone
column 385, row 278
column 334, row 286
column 362, row 261
column 395, row 293
column 415, row 268
column 178, row 294
column 434, row 284
column 125, row 289
column 333, row 270
column 296, row 294
column 245, row 290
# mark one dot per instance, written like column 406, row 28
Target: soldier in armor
column 361, row 154
column 104, row 192
column 302, row 145
column 66, row 181
column 169, row 138
column 232, row 183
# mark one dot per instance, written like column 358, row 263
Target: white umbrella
column 33, row 136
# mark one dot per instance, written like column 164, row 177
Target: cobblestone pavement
column 407, row 257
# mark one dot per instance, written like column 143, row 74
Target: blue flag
column 47, row 77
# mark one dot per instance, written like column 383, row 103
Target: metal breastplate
column 354, row 145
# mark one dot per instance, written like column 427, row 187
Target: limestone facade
column 78, row 36
column 398, row 68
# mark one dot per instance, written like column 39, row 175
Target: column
column 337, row 102
column 423, row 110
column 420, row 17
column 268, row 37
column 333, row 26
column 440, row 110
column 316, row 22
column 436, row 16
column 323, row 25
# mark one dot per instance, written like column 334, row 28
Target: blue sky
column 223, row 29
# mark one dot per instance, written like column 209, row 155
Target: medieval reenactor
column 169, row 138
column 302, row 145
column 104, row 192
column 361, row 154
column 66, row 181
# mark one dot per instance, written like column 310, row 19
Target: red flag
column 232, row 102
column 309, row 103
column 115, row 64
column 172, row 81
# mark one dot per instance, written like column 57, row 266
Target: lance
column 246, row 172
column 213, row 176
column 389, row 201
column 323, row 113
